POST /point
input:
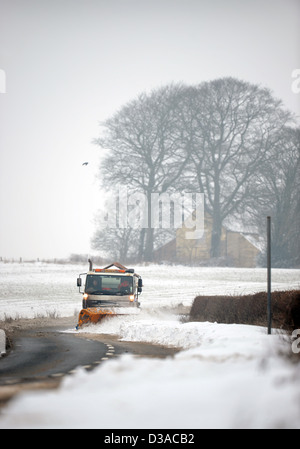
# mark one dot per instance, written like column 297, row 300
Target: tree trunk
column 215, row 247
column 148, row 255
column 141, row 244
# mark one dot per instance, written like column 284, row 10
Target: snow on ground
column 33, row 289
column 225, row 376
column 229, row 376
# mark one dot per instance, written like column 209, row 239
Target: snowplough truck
column 110, row 291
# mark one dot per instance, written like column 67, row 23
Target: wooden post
column 269, row 309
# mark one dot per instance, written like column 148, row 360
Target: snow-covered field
column 29, row 290
column 225, row 376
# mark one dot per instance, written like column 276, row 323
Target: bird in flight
column 85, row 163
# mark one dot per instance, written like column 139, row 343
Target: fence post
column 2, row 342
column 269, row 308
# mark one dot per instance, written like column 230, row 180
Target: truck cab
column 113, row 286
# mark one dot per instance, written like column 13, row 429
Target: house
column 237, row 248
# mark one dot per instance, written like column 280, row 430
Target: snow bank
column 163, row 328
column 232, row 378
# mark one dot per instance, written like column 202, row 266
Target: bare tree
column 235, row 128
column 117, row 243
column 145, row 151
column 276, row 192
column 219, row 138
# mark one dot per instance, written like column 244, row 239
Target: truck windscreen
column 108, row 285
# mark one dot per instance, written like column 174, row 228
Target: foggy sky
column 70, row 64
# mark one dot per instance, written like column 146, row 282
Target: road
column 51, row 353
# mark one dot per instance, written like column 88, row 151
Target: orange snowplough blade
column 93, row 315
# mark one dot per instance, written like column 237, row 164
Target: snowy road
column 230, row 377
column 223, row 376
column 38, row 355
column 41, row 354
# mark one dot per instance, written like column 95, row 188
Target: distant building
column 238, row 249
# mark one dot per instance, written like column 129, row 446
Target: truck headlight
column 131, row 298
column 85, row 296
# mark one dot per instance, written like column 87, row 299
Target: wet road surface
column 40, row 354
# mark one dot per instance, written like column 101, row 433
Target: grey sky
column 72, row 63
